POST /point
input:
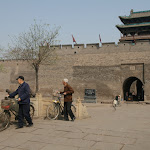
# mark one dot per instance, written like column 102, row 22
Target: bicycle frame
column 15, row 113
column 58, row 102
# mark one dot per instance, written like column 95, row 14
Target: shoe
column 73, row 119
column 29, row 125
column 19, row 127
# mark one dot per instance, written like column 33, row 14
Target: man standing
column 68, row 91
column 24, row 102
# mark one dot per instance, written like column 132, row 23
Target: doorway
column 133, row 89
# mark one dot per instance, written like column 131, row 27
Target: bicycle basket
column 5, row 104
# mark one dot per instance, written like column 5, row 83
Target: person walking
column 23, row 93
column 68, row 91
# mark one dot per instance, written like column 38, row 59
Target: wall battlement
column 95, row 48
column 107, row 47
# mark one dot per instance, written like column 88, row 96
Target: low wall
column 41, row 104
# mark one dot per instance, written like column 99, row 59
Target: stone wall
column 86, row 66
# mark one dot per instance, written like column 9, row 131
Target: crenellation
column 108, row 43
column 56, row 47
column 110, row 47
column 79, row 46
column 66, row 47
column 92, row 45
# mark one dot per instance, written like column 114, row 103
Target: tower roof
column 136, row 17
column 136, row 25
column 137, row 14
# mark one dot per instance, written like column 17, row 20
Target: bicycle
column 11, row 107
column 56, row 109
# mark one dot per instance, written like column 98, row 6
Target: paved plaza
column 127, row 128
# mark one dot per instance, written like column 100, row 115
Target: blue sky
column 85, row 19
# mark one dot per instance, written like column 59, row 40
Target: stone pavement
column 127, row 128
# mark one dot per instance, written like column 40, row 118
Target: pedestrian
column 126, row 96
column 23, row 93
column 68, row 91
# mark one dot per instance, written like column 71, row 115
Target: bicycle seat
column 55, row 101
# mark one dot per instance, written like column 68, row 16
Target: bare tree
column 35, row 46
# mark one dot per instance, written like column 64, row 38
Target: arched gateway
column 133, row 87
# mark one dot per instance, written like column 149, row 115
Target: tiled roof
column 137, row 14
column 134, row 25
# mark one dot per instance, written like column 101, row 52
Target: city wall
column 104, row 68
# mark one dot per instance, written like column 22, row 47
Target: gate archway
column 134, row 88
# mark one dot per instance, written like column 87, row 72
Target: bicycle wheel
column 4, row 121
column 52, row 111
column 32, row 111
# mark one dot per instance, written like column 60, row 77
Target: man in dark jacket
column 68, row 91
column 23, row 92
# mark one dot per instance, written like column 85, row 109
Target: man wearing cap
column 68, row 91
column 24, row 102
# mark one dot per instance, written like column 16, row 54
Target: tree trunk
column 37, row 78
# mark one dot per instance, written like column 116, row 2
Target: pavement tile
column 11, row 148
column 73, row 135
column 26, row 130
column 114, row 133
column 93, row 137
column 77, row 142
column 118, row 140
column 67, row 129
column 144, row 146
column 137, row 134
column 86, row 149
column 45, row 126
column 107, row 146
column 58, row 147
column 143, row 140
column 42, row 131
column 32, row 145
column 90, row 130
column 111, row 139
column 3, row 137
column 1, row 147
column 58, row 133
column 46, row 139
column 5, row 134
column 17, row 139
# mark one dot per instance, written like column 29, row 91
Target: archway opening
column 133, row 89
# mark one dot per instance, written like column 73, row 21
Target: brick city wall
column 86, row 66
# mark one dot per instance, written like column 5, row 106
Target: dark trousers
column 24, row 112
column 67, row 110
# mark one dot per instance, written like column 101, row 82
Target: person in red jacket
column 68, row 91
